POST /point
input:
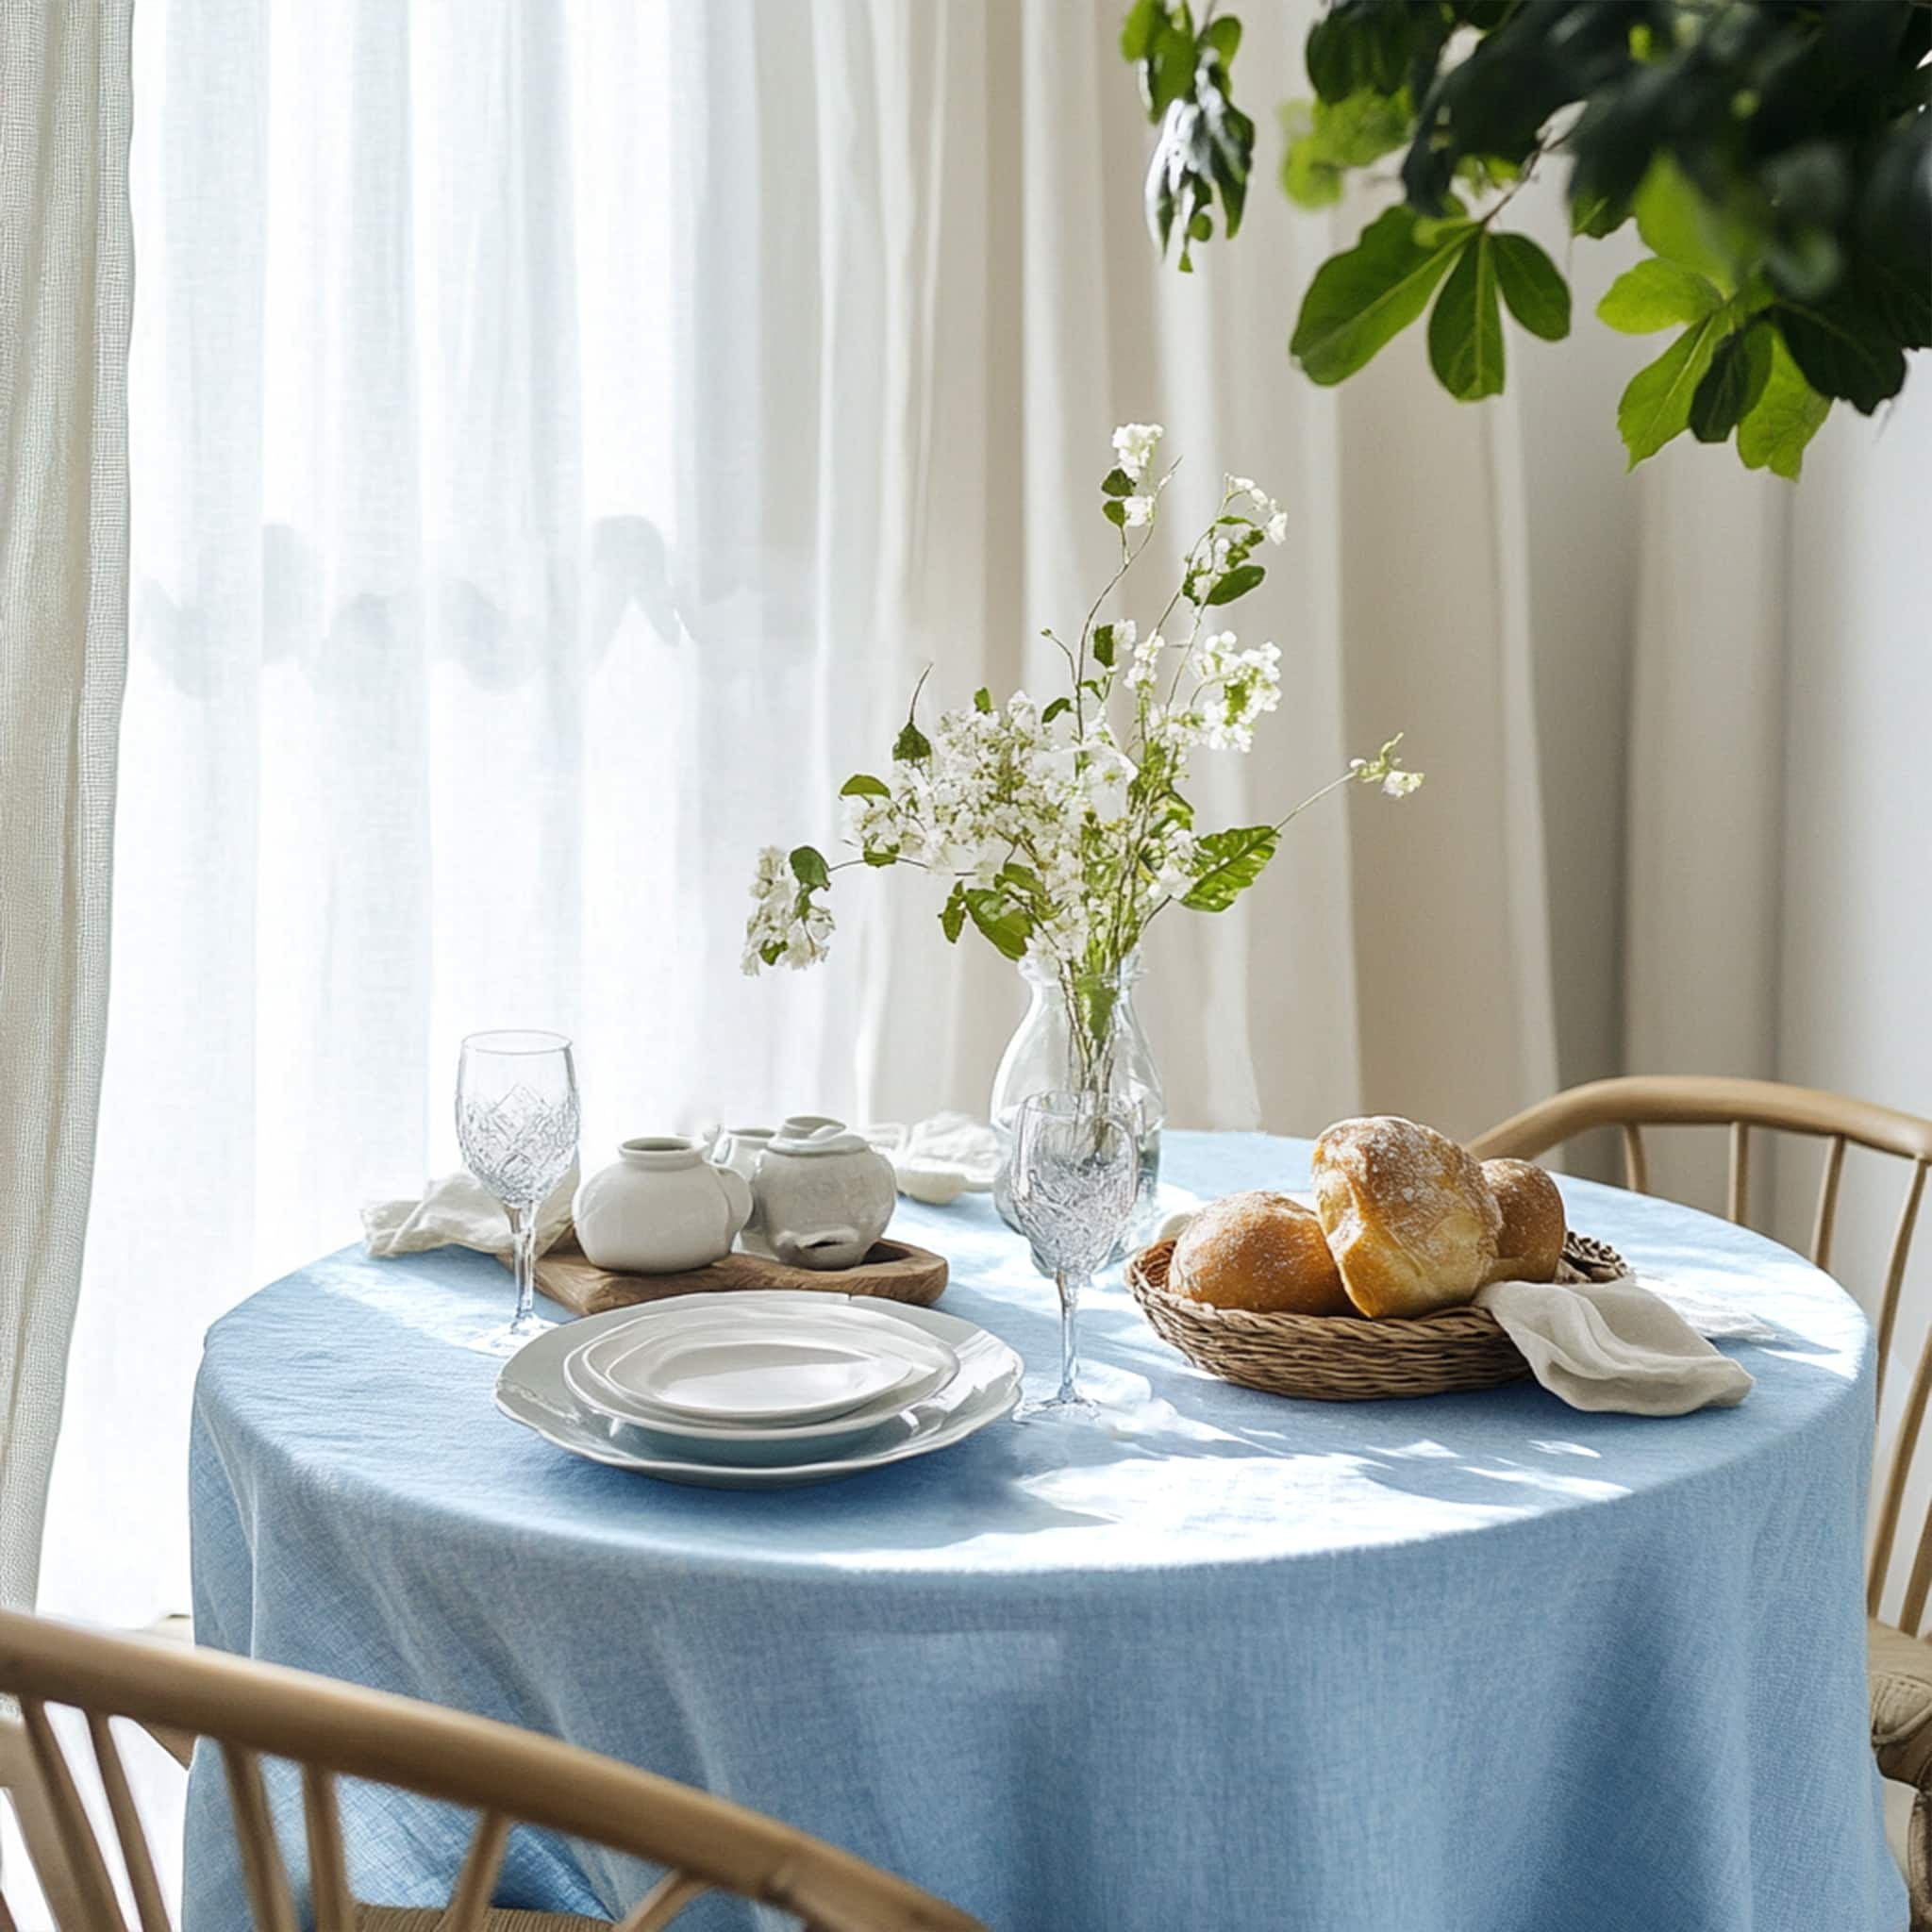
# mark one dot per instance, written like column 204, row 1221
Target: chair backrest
column 250, row 1711
column 1661, row 1100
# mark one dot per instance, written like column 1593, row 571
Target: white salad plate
column 530, row 1389
column 593, row 1372
column 766, row 1377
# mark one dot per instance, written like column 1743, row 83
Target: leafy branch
column 1779, row 152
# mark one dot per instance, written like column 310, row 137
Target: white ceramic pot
column 739, row 1148
column 824, row 1194
column 661, row 1208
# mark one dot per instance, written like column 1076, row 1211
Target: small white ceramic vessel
column 661, row 1208
column 824, row 1195
column 739, row 1148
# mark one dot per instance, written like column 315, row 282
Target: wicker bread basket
column 1342, row 1358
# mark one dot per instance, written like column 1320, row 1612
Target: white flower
column 1277, row 527
column 1241, row 486
column 1400, row 784
column 1145, row 667
column 786, row 926
column 1140, row 511
column 1134, row 444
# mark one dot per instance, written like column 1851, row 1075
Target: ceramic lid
column 817, row 1133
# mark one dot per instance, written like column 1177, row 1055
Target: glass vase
column 1083, row 1037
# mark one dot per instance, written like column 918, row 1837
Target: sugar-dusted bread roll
column 1258, row 1250
column 1410, row 1221
column 1531, row 1242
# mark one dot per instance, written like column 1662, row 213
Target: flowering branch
column 1063, row 838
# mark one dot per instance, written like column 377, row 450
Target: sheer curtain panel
column 65, row 280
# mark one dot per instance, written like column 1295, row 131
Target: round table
column 1476, row 1663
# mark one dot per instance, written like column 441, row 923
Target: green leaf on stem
column 1841, row 351
column 1657, row 405
column 1773, row 433
column 863, row 785
column 911, row 746
column 1658, row 294
column 1054, row 709
column 953, row 914
column 1538, row 296
column 1117, row 483
column 1233, row 861
column 982, row 700
column 809, row 868
column 1004, row 922
column 1466, row 326
column 876, row 855
column 1115, row 511
column 1102, row 644
column 1021, row 878
column 1236, row 583
column 1361, row 299
column 1740, row 368
column 1675, row 223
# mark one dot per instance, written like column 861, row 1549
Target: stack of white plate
column 760, row 1390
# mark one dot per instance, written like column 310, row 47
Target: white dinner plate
column 611, row 1373
column 530, row 1389
column 652, row 1432
column 733, row 1375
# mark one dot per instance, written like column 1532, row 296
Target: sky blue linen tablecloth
column 1480, row 1664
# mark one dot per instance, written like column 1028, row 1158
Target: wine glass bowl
column 517, row 1121
column 1074, row 1178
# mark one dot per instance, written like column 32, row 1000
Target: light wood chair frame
column 252, row 1710
column 1635, row 1102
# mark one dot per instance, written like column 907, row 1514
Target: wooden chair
column 1898, row 1659
column 250, row 1711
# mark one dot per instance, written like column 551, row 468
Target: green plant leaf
column 1004, row 922
column 1658, row 294
column 809, row 868
column 1224, row 35
column 1322, row 140
column 1137, row 30
column 1021, row 878
column 1115, row 511
column 1117, row 483
column 1466, row 325
column 953, row 914
column 1841, row 351
column 862, row 785
column 1773, row 433
column 1361, row 299
column 1233, row 861
column 1657, row 405
column 1538, row 296
column 1102, row 644
column 1598, row 215
column 878, row 854
column 1054, row 709
column 1731, row 385
column 1236, row 583
column 911, row 746
column 1674, row 224
column 982, row 701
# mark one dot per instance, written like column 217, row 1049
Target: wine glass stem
column 523, row 1234
column 1068, row 1285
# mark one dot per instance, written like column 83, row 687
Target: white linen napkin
column 1614, row 1345
column 457, row 1211
column 938, row 1159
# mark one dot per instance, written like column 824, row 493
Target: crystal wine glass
column 1075, row 1173
column 516, row 1125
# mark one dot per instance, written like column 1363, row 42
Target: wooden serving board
column 896, row 1271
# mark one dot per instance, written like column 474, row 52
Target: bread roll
column 1258, row 1250
column 1531, row 1242
column 1410, row 1221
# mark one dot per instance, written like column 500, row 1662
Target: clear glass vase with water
column 1081, row 1034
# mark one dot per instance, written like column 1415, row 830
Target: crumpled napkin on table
column 457, row 1211
column 1616, row 1346
column 938, row 1159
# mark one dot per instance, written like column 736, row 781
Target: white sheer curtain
column 65, row 282
column 561, row 436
